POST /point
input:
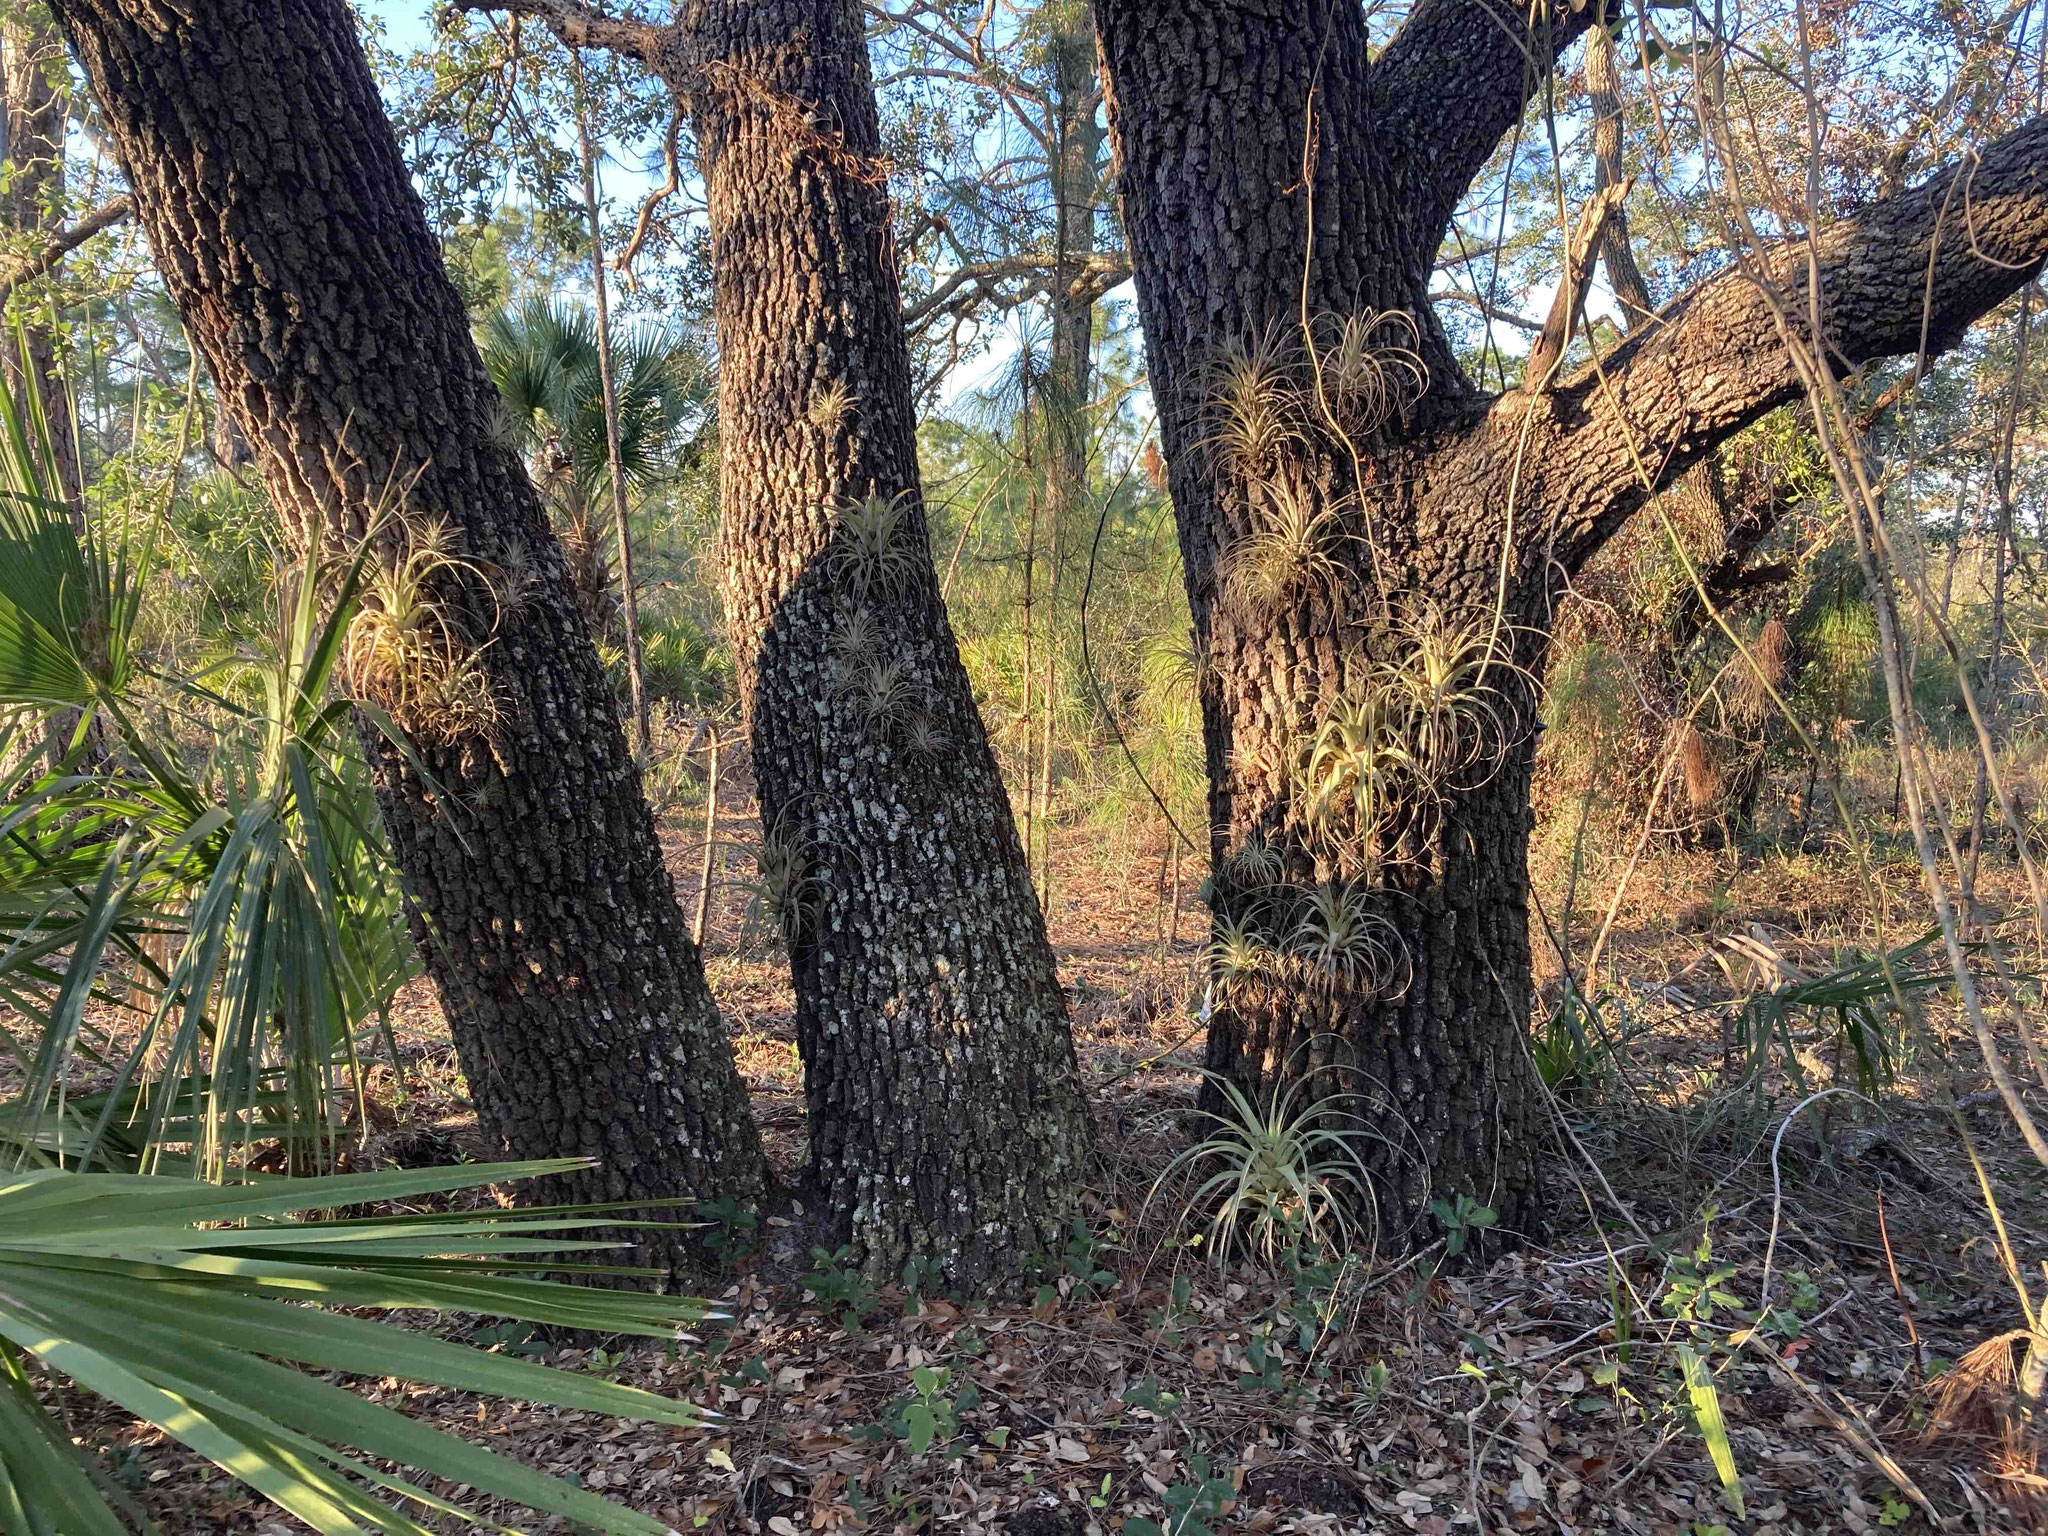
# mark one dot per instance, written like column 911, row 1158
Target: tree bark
column 289, row 236
column 33, row 207
column 1275, row 183
column 947, row 1119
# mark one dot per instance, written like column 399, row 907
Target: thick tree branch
column 1919, row 268
column 63, row 244
column 582, row 26
column 1451, row 85
column 1096, row 274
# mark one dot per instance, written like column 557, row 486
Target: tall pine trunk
column 289, row 236
column 32, row 209
column 947, row 1117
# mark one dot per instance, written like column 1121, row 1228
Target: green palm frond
column 201, row 1309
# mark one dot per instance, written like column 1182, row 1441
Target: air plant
column 1277, row 1173
column 1289, row 550
column 407, row 648
column 855, row 647
column 923, row 736
column 1762, row 672
column 787, row 890
column 1341, row 942
column 1254, row 862
column 830, row 407
column 1372, row 369
column 1237, row 953
column 885, row 695
column 1250, row 408
column 1358, row 768
column 876, row 544
column 1437, row 676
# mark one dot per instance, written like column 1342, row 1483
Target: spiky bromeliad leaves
column 1277, row 1174
column 213, row 1313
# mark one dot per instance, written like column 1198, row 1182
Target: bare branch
column 1547, row 351
column 1098, row 273
column 582, row 26
column 64, row 243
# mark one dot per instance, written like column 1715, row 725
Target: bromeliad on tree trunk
column 1373, row 546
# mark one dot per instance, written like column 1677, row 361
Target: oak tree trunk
column 1373, row 547
column 290, row 238
column 947, row 1119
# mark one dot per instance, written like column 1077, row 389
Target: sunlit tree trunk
column 289, row 236
column 946, row 1113
column 1357, row 521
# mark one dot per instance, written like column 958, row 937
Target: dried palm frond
column 1765, row 670
column 1702, row 782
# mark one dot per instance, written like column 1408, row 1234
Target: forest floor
column 1553, row 1390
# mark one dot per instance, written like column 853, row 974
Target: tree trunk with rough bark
column 32, row 208
column 1373, row 547
column 947, row 1119
column 289, row 236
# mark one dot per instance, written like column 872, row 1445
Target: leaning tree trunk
column 290, row 238
column 1373, row 549
column 946, row 1113
column 947, row 1118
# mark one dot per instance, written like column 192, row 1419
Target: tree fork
column 1456, row 510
